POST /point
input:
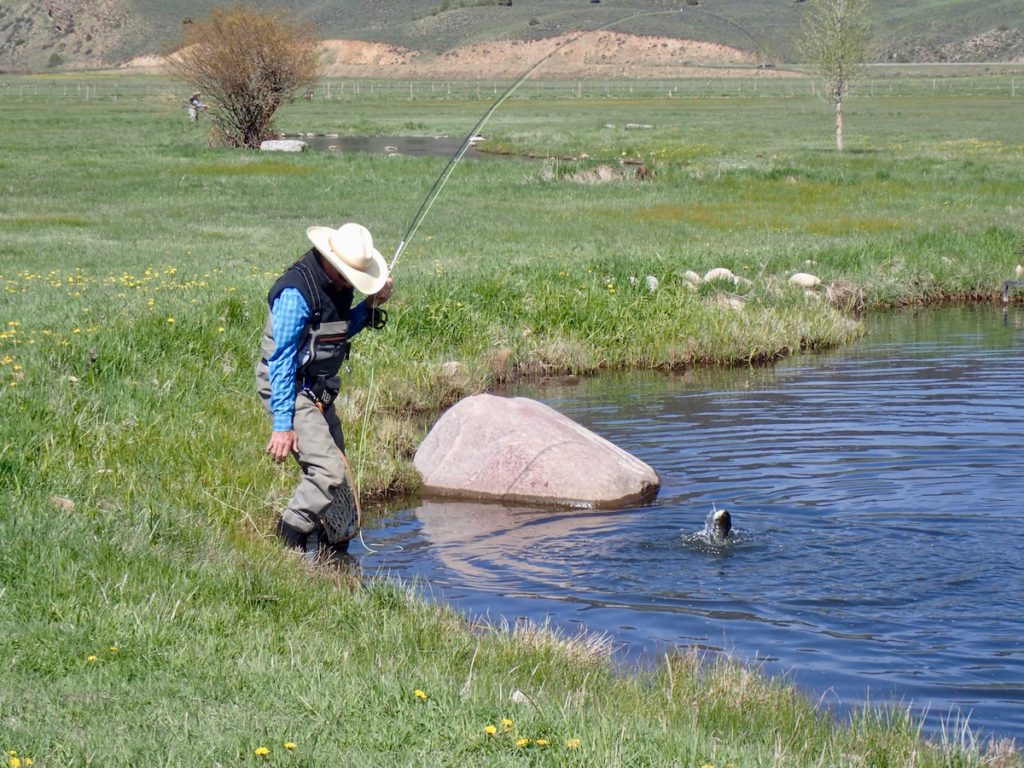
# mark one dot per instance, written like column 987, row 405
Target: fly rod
column 442, row 178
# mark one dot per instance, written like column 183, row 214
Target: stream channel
column 876, row 494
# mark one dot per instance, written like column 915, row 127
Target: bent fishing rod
column 442, row 178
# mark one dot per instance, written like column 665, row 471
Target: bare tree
column 246, row 63
column 834, row 40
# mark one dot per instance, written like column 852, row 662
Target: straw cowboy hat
column 350, row 250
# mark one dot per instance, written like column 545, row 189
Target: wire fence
column 113, row 89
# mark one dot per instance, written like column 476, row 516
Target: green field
column 137, row 503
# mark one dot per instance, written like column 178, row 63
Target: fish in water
column 719, row 524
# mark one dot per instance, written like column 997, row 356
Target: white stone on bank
column 283, row 145
column 805, row 280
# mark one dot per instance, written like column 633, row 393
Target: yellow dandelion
column 289, row 745
column 77, row 330
column 170, row 321
column 708, row 765
column 522, row 741
column 221, row 329
column 421, row 695
column 542, row 742
column 13, row 752
column 490, row 730
column 114, row 649
column 28, row 761
column 15, row 762
column 507, row 724
column 91, row 659
column 573, row 743
column 262, row 751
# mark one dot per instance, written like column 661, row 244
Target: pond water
column 876, row 495
column 415, row 146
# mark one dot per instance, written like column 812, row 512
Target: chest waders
column 324, row 352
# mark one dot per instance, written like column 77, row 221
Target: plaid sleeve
column 290, row 314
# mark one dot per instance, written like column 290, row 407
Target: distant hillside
column 41, row 34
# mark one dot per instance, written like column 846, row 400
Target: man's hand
column 282, row 444
column 384, row 293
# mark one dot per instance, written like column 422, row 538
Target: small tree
column 246, row 63
column 834, row 40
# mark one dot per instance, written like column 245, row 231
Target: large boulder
column 521, row 451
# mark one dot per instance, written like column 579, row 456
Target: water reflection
column 413, row 146
column 483, row 542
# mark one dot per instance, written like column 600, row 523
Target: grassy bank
column 137, row 503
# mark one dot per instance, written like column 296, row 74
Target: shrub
column 246, row 63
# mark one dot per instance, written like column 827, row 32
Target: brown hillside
column 605, row 54
column 36, row 33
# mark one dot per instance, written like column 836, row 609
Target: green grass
column 135, row 262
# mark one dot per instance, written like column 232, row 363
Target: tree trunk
column 839, row 124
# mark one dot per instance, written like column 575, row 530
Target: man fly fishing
column 309, row 326
column 306, row 339
column 195, row 106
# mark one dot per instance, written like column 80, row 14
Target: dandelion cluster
column 74, row 282
column 152, row 284
column 263, row 751
column 13, row 761
column 523, row 742
column 93, row 658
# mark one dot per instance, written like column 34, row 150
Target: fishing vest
column 324, row 344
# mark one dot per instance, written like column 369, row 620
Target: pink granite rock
column 521, row 451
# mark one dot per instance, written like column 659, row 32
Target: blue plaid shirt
column 290, row 316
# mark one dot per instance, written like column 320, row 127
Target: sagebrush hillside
column 51, row 34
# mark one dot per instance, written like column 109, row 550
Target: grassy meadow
column 147, row 614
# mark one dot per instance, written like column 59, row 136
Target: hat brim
column 369, row 281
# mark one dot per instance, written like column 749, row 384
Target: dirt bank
column 599, row 55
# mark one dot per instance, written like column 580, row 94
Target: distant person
column 306, row 339
column 195, row 106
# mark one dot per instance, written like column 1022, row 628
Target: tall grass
column 147, row 616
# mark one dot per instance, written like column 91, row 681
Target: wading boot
column 307, row 543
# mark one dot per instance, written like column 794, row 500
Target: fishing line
column 442, row 179
column 435, row 190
